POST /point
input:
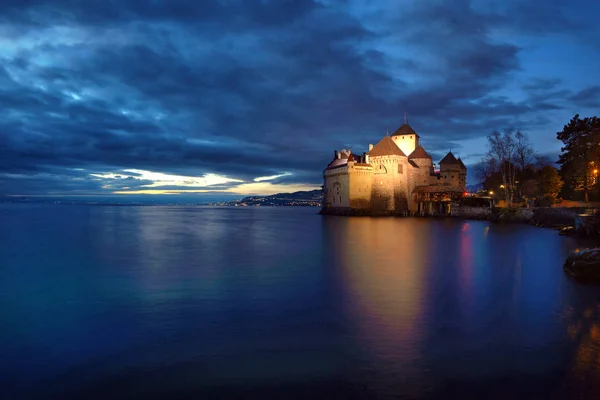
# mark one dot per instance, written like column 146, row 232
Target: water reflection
column 182, row 298
column 381, row 266
column 584, row 332
column 433, row 303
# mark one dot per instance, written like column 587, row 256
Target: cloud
column 589, row 97
column 270, row 178
column 243, row 90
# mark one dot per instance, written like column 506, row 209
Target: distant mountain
column 306, row 198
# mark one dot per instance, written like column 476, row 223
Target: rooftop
column 405, row 129
column 449, row 159
column 419, row 152
column 386, row 147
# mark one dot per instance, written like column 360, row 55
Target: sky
column 239, row 97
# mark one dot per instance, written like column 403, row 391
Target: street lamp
column 501, row 186
column 491, row 192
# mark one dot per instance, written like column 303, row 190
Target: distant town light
column 491, row 192
column 501, row 186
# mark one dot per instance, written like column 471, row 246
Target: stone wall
column 337, row 187
column 361, row 180
column 470, row 212
column 554, row 216
column 549, row 217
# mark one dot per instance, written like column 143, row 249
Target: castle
column 396, row 176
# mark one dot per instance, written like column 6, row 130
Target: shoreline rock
column 584, row 265
column 567, row 221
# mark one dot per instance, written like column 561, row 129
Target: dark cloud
column 589, row 97
column 249, row 89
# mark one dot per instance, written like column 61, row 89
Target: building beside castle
column 396, row 176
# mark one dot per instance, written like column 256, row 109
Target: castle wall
column 360, row 181
column 434, row 180
column 401, row 179
column 449, row 174
column 390, row 181
column 337, row 187
column 414, row 179
column 462, row 182
column 419, row 177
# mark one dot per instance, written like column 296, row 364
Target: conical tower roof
column 405, row 129
column 449, row 159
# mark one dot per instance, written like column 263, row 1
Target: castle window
column 399, row 168
column 452, row 177
column 402, row 137
column 411, row 137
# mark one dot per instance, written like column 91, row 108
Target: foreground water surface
column 194, row 302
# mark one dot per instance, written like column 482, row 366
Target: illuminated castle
column 396, row 176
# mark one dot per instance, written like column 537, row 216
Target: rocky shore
column 584, row 265
column 569, row 221
column 555, row 218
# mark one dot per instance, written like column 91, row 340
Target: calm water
column 191, row 302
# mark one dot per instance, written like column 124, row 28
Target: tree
column 525, row 155
column 511, row 153
column 485, row 169
column 580, row 156
column 549, row 183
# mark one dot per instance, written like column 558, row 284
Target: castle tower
column 424, row 166
column 389, row 177
column 450, row 170
column 406, row 138
column 462, row 175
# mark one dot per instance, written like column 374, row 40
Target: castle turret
column 350, row 157
column 423, row 161
column 450, row 170
column 406, row 138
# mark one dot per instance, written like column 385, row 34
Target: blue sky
column 230, row 98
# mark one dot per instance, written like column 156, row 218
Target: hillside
column 304, row 198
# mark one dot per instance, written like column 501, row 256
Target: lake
column 255, row 302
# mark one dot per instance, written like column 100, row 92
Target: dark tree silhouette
column 580, row 157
